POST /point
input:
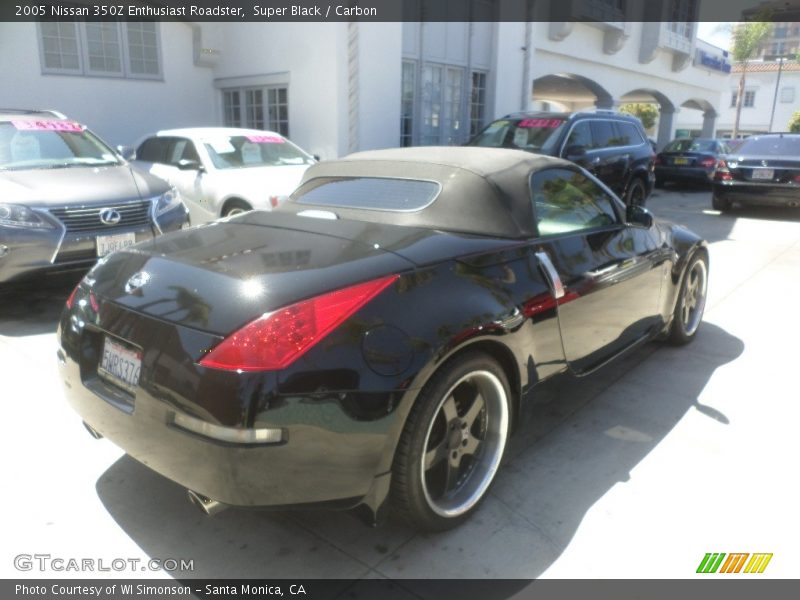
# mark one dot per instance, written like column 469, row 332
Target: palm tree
column 747, row 37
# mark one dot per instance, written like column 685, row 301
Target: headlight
column 166, row 202
column 16, row 215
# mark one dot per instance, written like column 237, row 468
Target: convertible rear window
column 368, row 193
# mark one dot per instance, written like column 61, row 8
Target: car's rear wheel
column 691, row 300
column 452, row 443
column 235, row 207
column 720, row 204
column 636, row 193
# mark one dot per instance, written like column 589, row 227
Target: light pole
column 780, row 58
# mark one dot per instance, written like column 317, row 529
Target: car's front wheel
column 691, row 300
column 452, row 443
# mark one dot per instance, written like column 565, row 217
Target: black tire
column 452, row 444
column 235, row 207
column 637, row 193
column 720, row 204
column 691, row 302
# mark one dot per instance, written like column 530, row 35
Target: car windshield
column 771, row 146
column 691, row 146
column 257, row 150
column 531, row 134
column 27, row 144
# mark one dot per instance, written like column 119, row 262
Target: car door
column 605, row 274
column 608, row 158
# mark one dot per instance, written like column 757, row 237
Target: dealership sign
column 713, row 61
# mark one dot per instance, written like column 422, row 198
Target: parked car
column 225, row 171
column 611, row 146
column 375, row 338
column 689, row 160
column 763, row 170
column 67, row 198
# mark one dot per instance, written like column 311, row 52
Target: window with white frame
column 477, row 103
column 749, row 98
column 787, row 94
column 257, row 108
column 101, row 49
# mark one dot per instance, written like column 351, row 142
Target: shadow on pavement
column 582, row 438
column 34, row 308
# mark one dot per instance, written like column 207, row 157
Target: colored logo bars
column 733, row 563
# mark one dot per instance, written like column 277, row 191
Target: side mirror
column 316, row 157
column 575, row 152
column 638, row 215
column 125, row 152
column 185, row 164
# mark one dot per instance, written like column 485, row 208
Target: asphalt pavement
column 635, row 472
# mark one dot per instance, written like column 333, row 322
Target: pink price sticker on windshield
column 48, row 126
column 265, row 139
column 542, row 123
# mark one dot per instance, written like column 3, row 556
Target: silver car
column 67, row 198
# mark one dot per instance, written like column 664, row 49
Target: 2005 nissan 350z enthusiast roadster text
column 372, row 342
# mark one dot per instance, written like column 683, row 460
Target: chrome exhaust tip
column 206, row 505
column 92, row 431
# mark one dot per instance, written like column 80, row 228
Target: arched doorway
column 574, row 92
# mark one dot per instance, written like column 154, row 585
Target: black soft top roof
column 483, row 190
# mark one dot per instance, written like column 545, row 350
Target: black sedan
column 688, row 160
column 374, row 341
column 763, row 170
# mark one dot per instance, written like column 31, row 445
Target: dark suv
column 611, row 146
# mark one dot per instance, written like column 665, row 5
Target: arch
column 572, row 90
column 666, row 111
column 709, row 114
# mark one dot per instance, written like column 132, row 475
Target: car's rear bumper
column 695, row 174
column 758, row 194
column 327, row 454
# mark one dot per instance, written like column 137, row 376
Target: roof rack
column 33, row 111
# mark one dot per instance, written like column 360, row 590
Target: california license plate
column 120, row 365
column 763, row 174
column 680, row 161
column 106, row 244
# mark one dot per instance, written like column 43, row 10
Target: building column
column 709, row 123
column 665, row 128
column 605, row 102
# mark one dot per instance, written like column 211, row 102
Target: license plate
column 106, row 244
column 120, row 365
column 680, row 161
column 763, row 174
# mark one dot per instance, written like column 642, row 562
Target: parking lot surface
column 636, row 471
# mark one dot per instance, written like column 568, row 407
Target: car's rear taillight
column 275, row 340
column 71, row 299
column 796, row 178
column 707, row 162
column 721, row 172
column 273, row 201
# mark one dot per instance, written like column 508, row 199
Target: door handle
column 551, row 274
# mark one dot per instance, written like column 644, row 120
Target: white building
column 339, row 87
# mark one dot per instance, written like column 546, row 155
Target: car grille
column 132, row 214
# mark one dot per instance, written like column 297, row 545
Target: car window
column 771, row 146
column 182, row 149
column 153, row 150
column 256, row 150
column 27, row 144
column 628, row 134
column 580, row 135
column 604, row 135
column 566, row 200
column 370, row 193
column 534, row 134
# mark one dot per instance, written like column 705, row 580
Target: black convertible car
column 372, row 342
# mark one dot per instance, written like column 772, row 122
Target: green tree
column 747, row 37
column 646, row 111
column 794, row 122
